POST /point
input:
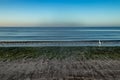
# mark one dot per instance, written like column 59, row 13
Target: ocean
column 60, row 34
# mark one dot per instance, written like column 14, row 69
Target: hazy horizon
column 50, row 13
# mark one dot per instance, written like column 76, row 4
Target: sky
column 59, row 13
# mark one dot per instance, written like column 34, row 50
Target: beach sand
column 60, row 63
column 68, row 69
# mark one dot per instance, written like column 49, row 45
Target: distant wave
column 53, row 30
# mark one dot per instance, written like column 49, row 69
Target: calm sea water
column 60, row 33
column 108, row 36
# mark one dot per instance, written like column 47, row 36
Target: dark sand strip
column 59, row 43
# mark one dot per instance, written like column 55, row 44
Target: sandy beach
column 59, row 63
column 68, row 69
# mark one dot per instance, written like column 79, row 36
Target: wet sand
column 59, row 43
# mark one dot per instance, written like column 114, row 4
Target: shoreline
column 37, row 43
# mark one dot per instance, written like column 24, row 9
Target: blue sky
column 59, row 12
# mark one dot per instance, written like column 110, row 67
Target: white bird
column 100, row 43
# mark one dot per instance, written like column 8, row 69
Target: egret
column 100, row 43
